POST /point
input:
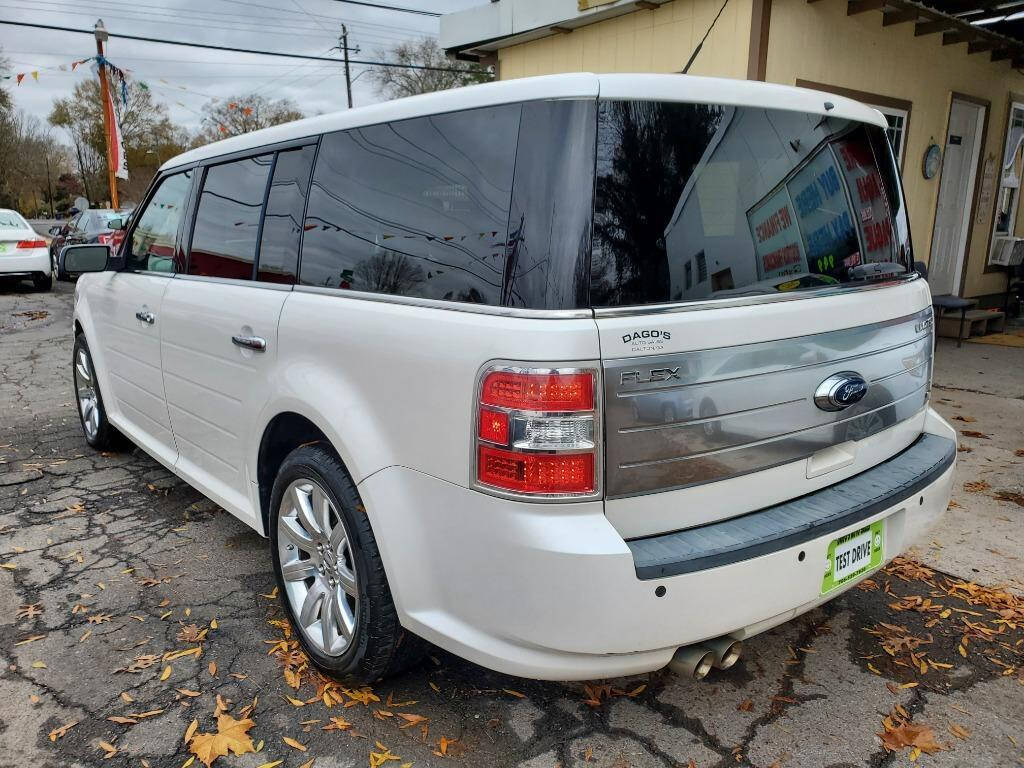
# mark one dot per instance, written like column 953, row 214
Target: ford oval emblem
column 840, row 391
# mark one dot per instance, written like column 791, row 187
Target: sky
column 185, row 78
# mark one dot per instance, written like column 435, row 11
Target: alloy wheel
column 318, row 567
column 85, row 389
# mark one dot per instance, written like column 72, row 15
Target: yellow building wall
column 819, row 42
column 658, row 40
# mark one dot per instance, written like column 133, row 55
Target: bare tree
column 395, row 82
column 146, row 130
column 241, row 114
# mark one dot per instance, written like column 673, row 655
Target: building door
column 956, row 190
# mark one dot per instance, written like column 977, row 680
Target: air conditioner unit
column 1007, row 251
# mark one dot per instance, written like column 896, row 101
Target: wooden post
column 101, row 35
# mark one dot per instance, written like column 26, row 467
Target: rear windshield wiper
column 876, row 270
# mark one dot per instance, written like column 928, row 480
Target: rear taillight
column 538, row 432
column 27, row 244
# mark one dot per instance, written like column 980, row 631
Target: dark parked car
column 92, row 226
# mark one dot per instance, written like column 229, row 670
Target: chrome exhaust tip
column 726, row 650
column 692, row 661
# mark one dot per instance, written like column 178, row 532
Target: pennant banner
column 117, row 158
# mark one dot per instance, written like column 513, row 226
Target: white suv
column 574, row 376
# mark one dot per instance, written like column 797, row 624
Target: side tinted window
column 282, row 224
column 154, row 236
column 228, row 219
column 414, row 208
column 552, row 201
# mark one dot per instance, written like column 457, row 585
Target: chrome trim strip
column 453, row 306
column 686, row 418
column 716, row 417
column 233, row 281
column 746, row 301
column 767, row 440
column 642, row 361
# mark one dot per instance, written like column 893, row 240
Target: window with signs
column 897, row 130
column 1009, row 174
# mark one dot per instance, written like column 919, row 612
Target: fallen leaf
column 270, row 765
column 517, row 694
column 231, row 736
column 191, row 730
column 38, row 665
column 411, row 719
column 57, row 733
column 973, row 433
column 166, row 673
column 746, row 705
column 976, row 486
column 122, row 720
column 109, row 748
column 293, row 743
column 29, row 611
column 912, row 735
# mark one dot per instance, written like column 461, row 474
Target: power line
column 230, row 49
column 390, row 7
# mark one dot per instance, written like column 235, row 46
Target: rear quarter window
column 414, row 208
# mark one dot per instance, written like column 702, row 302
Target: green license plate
column 853, row 555
column 3, row 247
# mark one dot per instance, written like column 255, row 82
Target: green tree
column 241, row 114
column 395, row 82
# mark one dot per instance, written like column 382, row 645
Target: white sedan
column 22, row 251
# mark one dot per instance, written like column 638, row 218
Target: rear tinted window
column 414, row 208
column 698, row 201
column 282, row 224
column 228, row 219
column 552, row 204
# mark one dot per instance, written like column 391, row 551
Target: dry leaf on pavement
column 231, row 736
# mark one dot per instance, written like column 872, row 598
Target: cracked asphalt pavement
column 106, row 559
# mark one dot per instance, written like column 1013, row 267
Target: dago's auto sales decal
column 646, row 341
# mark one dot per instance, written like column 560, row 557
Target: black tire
column 380, row 647
column 42, row 281
column 106, row 437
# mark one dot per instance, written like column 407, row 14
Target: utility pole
column 101, row 37
column 348, row 76
column 49, row 186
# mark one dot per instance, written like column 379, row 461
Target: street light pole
column 100, row 32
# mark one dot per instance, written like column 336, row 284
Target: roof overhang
column 480, row 31
column 957, row 22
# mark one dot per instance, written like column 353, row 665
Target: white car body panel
column 22, row 261
column 128, row 360
column 214, row 387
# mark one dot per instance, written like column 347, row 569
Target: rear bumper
column 552, row 591
column 36, row 261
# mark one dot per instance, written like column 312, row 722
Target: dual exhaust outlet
column 697, row 660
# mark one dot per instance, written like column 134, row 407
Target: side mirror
column 79, row 259
column 116, row 223
column 921, row 268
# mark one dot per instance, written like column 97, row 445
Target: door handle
column 147, row 317
column 257, row 343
